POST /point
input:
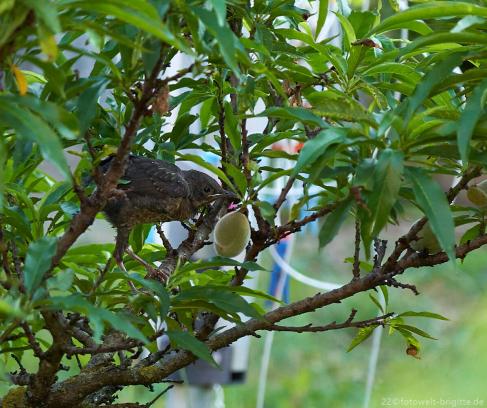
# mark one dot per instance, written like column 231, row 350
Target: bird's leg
column 150, row 269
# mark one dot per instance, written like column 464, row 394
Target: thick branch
column 50, row 361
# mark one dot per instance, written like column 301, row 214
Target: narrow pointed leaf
column 469, row 118
column 188, row 342
column 333, row 222
column 387, row 182
column 315, row 147
column 362, row 335
column 431, row 198
column 322, row 13
column 38, row 262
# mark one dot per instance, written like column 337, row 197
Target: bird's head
column 205, row 189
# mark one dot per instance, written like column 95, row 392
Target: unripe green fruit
column 478, row 194
column 426, row 241
column 232, row 234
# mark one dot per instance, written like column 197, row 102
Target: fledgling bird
column 152, row 191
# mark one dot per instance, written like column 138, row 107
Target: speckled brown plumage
column 153, row 191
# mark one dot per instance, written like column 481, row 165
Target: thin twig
column 179, row 75
column 356, row 254
column 165, row 241
column 36, row 348
column 283, row 195
column 394, row 283
column 309, row 328
column 159, row 395
column 221, row 129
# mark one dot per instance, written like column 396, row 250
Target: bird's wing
column 146, row 176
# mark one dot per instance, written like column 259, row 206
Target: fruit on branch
column 426, row 241
column 232, row 234
column 477, row 194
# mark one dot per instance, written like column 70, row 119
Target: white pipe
column 288, row 269
column 374, row 356
column 269, row 338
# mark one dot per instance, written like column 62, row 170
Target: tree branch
column 309, row 328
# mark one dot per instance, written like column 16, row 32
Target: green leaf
column 64, row 122
column 402, row 70
column 317, row 146
column 230, row 302
column 470, row 234
column 344, row 7
column 296, row 113
column 158, row 289
column 120, row 322
column 423, row 314
column 432, row 78
column 387, row 182
column 394, row 5
column 431, row 199
column 467, row 22
column 238, row 177
column 55, row 194
column 3, row 160
column 215, row 170
column 97, row 316
column 468, row 120
column 231, row 127
column 188, row 342
column 415, row 330
column 88, row 104
column 333, row 222
column 335, row 105
column 429, row 10
column 376, row 302
column 227, row 42
column 9, row 309
column 220, row 8
column 38, row 262
column 322, row 13
column 139, row 13
column 385, row 293
column 34, row 129
column 46, row 12
column 362, row 335
column 443, row 40
column 347, row 30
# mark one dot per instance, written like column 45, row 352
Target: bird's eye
column 207, row 189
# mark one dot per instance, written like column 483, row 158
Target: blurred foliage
column 373, row 111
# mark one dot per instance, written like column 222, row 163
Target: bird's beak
column 227, row 195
